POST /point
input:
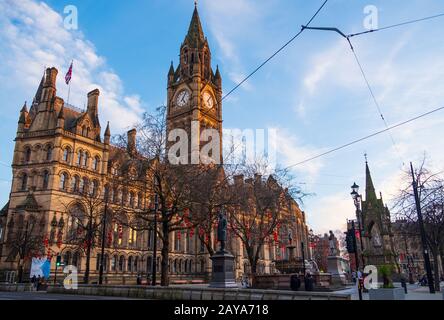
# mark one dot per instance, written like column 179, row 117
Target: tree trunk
column 164, row 278
column 436, row 277
column 87, row 265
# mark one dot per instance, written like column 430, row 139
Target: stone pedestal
column 335, row 269
column 222, row 275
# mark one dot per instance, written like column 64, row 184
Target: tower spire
column 195, row 31
column 369, row 187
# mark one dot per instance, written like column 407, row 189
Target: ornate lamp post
column 357, row 199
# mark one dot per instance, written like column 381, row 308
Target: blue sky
column 312, row 92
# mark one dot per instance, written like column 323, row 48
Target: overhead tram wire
column 364, row 138
column 395, row 25
column 275, row 53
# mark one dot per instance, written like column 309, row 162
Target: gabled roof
column 29, row 204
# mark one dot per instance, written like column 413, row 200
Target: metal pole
column 102, row 253
column 55, row 274
column 154, row 262
column 423, row 235
column 356, row 259
column 359, row 211
column 303, row 257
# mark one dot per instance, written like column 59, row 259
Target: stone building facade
column 60, row 152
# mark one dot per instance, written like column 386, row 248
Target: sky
column 312, row 92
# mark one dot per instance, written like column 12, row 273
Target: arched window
column 130, row 264
column 75, row 183
column 87, row 132
column 67, row 258
column 85, row 159
column 45, row 180
column 49, row 153
column 66, row 153
column 28, row 154
column 84, row 131
column 63, row 181
column 202, row 266
column 96, row 163
column 1, row 231
column 131, row 200
column 122, row 263
column 133, row 237
column 79, row 157
column 83, row 188
column 24, row 182
column 114, row 263
column 115, row 195
column 95, row 188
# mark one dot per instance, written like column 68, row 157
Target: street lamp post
column 357, row 199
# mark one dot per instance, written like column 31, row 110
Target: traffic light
column 349, row 239
column 59, row 261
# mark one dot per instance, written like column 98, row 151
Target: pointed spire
column 107, row 131
column 217, row 75
column 23, row 114
column 369, row 187
column 195, row 32
column 38, row 93
column 171, row 71
column 24, row 108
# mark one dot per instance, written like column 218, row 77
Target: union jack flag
column 68, row 74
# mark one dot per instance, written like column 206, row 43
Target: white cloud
column 32, row 36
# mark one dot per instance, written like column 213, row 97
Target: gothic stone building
column 60, row 152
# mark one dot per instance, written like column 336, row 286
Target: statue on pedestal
column 222, row 230
column 333, row 244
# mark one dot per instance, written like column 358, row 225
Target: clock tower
column 194, row 99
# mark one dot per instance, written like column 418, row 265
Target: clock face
column 182, row 98
column 208, row 100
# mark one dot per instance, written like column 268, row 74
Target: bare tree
column 174, row 185
column 24, row 241
column 262, row 207
column 84, row 230
column 431, row 195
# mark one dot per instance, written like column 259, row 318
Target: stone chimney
column 93, row 102
column 49, row 87
column 131, row 146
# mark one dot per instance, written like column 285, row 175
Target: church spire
column 369, row 187
column 195, row 34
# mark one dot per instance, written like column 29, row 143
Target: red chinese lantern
column 275, row 236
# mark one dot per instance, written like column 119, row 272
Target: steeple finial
column 195, row 3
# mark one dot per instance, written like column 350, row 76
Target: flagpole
column 69, row 91
column 69, row 83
